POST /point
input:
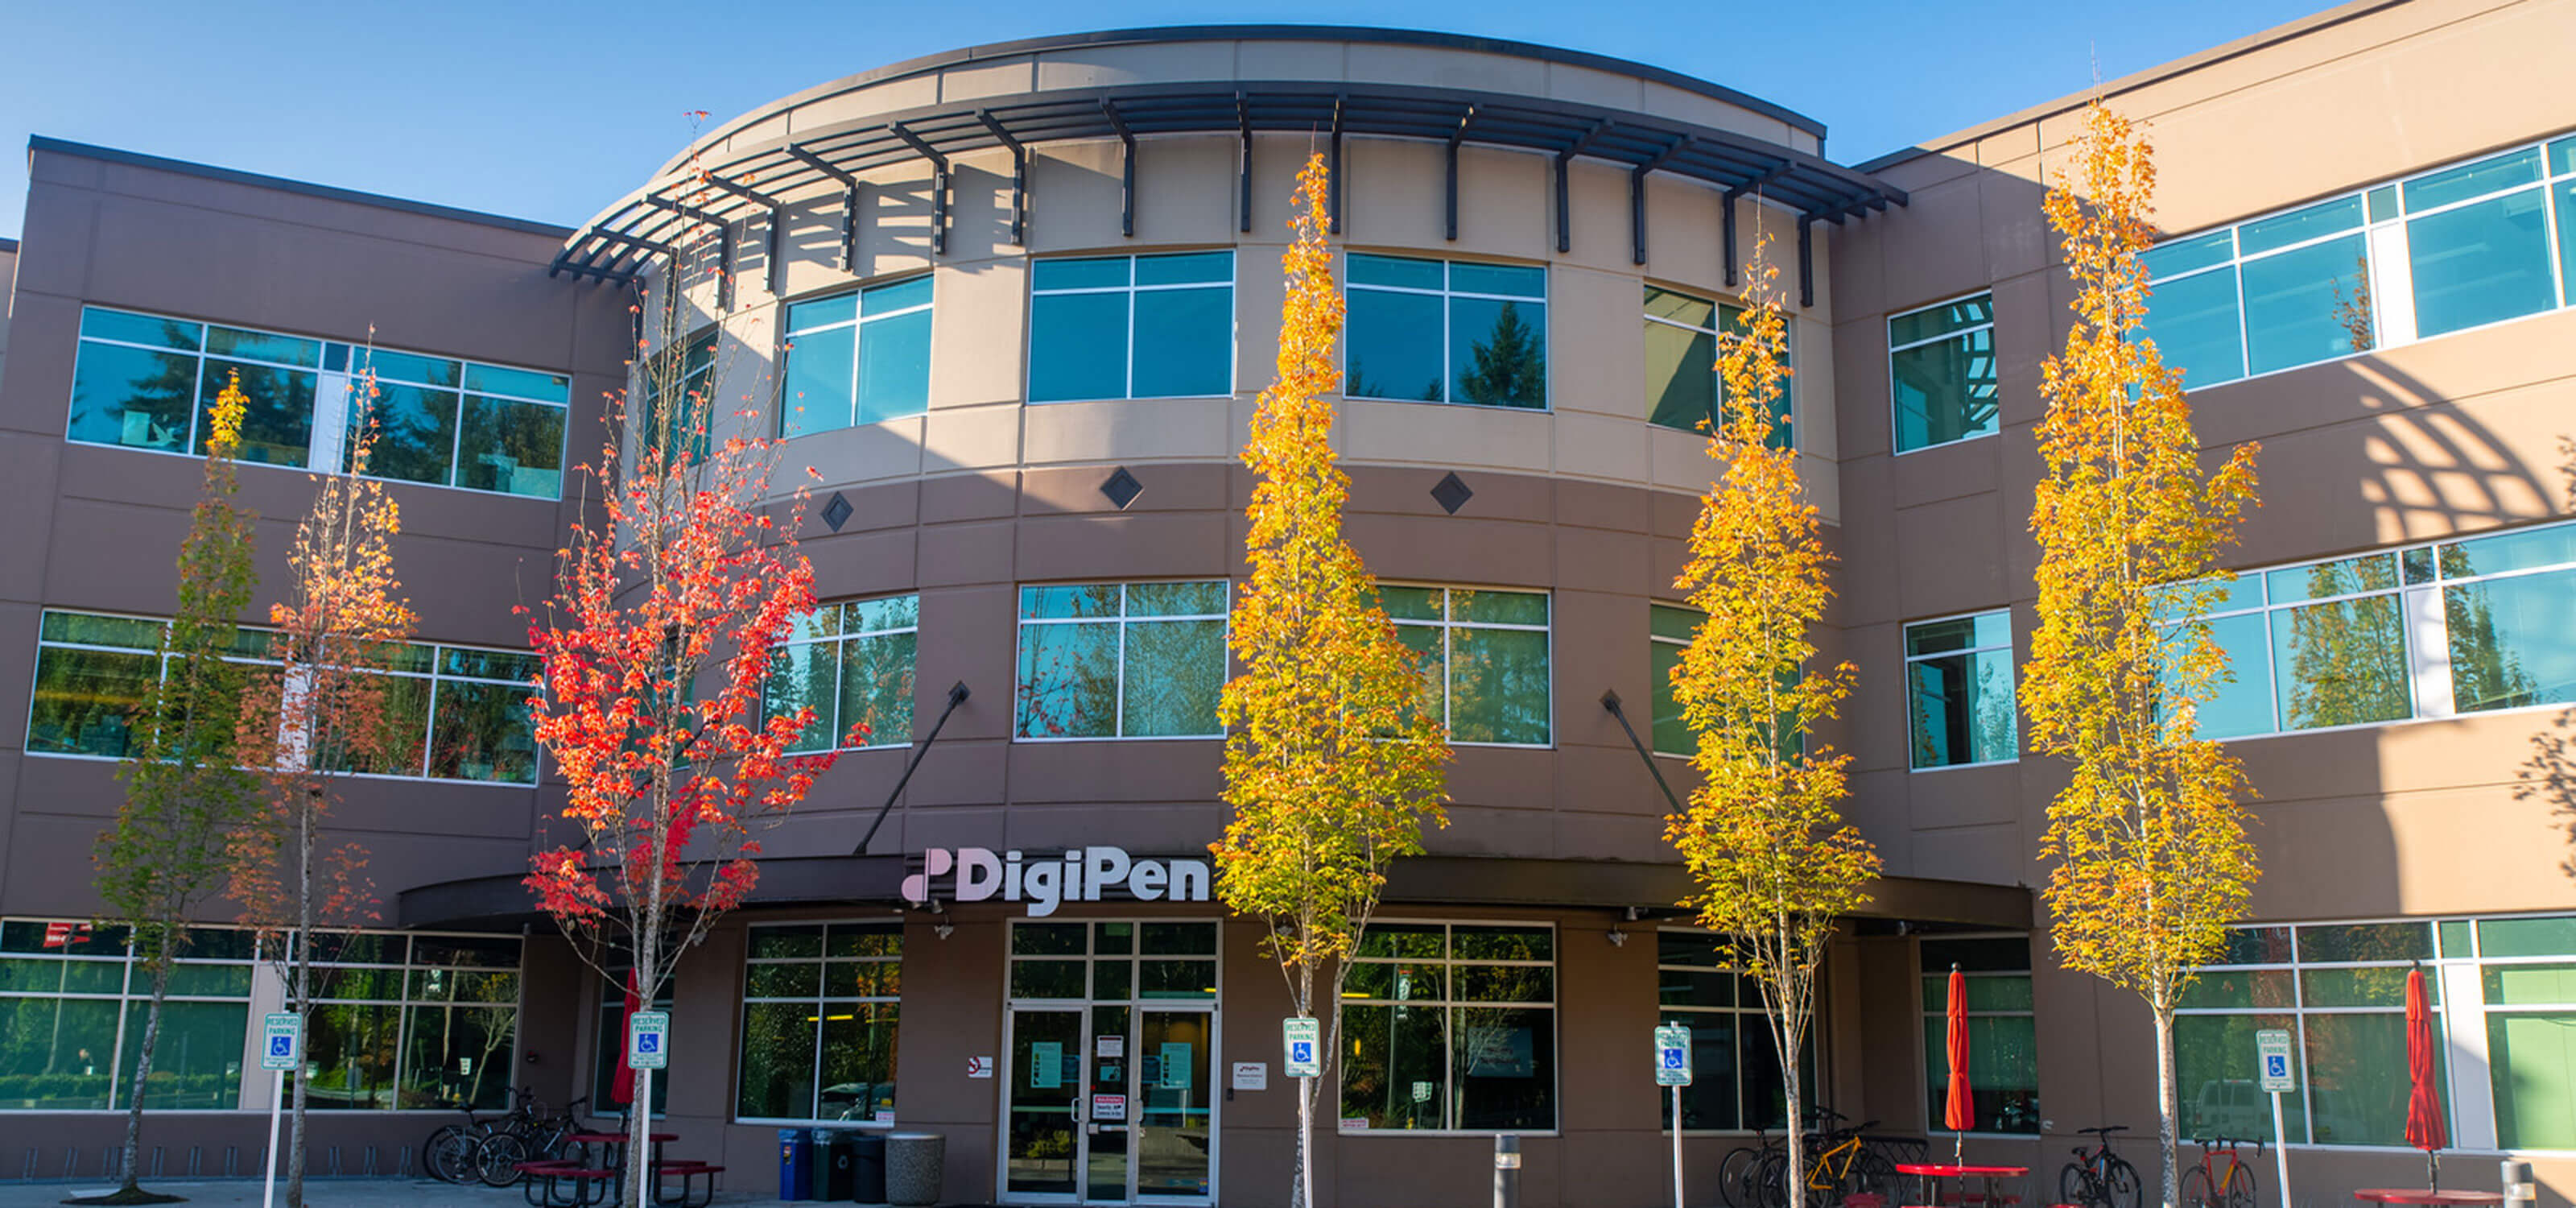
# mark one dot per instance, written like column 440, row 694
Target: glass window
column 856, row 358
column 853, row 663
column 2301, row 287
column 819, row 1015
column 65, row 986
column 1451, row 1028
column 608, row 1046
column 1109, row 327
column 1735, row 1059
column 461, row 713
column 1110, row 660
column 1670, row 628
column 1446, row 331
column 2003, row 1046
column 1941, row 368
column 144, row 382
column 1484, row 659
column 1959, row 691
column 1682, row 384
column 688, row 421
column 413, row 1022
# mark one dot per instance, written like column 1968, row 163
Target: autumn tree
column 186, row 793
column 319, row 716
column 1332, row 765
column 672, row 594
column 1772, row 862
column 2150, row 848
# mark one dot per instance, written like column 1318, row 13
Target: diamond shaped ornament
column 1451, row 494
column 837, row 512
column 1122, row 488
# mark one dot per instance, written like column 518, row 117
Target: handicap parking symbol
column 2277, row 1065
column 281, row 1046
column 649, row 1042
column 1672, row 1059
column 1301, row 1051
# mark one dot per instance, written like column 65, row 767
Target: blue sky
column 548, row 109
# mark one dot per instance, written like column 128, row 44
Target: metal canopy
column 616, row 245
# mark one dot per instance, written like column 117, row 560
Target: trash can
column 913, row 1162
column 867, row 1167
column 833, row 1155
column 795, row 1164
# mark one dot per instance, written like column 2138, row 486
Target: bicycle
column 1838, row 1162
column 2101, row 1178
column 2207, row 1186
column 527, row 1134
column 448, row 1154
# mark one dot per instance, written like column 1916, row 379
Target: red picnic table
column 593, row 1184
column 2428, row 1196
column 1933, row 1172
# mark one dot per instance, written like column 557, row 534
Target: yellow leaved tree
column 1771, row 858
column 2152, row 858
column 1332, row 767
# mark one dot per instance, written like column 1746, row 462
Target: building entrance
column 1112, row 1039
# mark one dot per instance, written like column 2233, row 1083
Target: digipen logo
column 1082, row 874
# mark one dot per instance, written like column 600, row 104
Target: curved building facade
column 1012, row 305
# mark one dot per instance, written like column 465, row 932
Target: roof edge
column 137, row 159
column 1262, row 32
column 8, row 246
column 2132, row 82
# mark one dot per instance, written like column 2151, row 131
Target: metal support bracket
column 1733, row 265
column 1333, row 219
column 777, row 228
column 1243, row 122
column 1564, row 166
column 938, row 186
column 1610, row 702
column 1019, row 175
column 724, row 245
column 1126, row 169
column 957, row 695
column 1457, row 136
column 1637, row 195
column 849, row 204
column 1806, row 261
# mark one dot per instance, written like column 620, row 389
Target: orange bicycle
column 2222, row 1180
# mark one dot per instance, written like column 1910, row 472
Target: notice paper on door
column 1108, row 1109
column 1111, row 1047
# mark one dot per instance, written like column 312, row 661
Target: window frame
column 1740, row 1011
column 333, row 384
column 1449, row 1003
column 1906, row 695
column 1445, row 624
column 839, row 642
column 857, row 323
column 2386, row 239
column 132, row 991
column 1234, row 339
column 819, row 999
column 2029, row 973
column 1656, row 690
column 429, row 718
column 1118, row 703
column 1895, row 426
column 1446, row 293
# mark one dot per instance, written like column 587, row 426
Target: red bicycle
column 2222, row 1180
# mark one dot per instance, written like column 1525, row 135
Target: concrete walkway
column 327, row 1193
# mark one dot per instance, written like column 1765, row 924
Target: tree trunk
column 143, row 1061
column 1797, row 1175
column 302, row 990
column 2168, row 1111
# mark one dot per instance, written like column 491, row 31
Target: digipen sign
column 1082, row 874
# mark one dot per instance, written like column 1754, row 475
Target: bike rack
column 369, row 1169
column 232, row 1161
column 335, row 1162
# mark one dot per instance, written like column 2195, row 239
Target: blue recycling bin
column 795, row 1164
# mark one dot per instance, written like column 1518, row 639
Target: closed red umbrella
column 622, row 1088
column 1960, row 1112
column 2424, row 1129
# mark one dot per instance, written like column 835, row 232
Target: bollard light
column 1507, row 1170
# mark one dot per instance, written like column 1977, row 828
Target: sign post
column 1303, row 1040
column 281, row 1049
column 2272, row 1068
column 648, row 1048
column 1673, row 1069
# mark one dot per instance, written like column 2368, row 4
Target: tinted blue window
column 1508, row 280
column 2307, row 305
column 133, row 397
column 1077, row 346
column 1401, row 272
column 2473, row 180
column 815, row 394
column 902, row 295
column 2243, row 705
column 1394, row 346
column 894, row 366
column 1099, row 273
column 1497, row 353
column 1187, row 268
column 822, row 312
column 2481, row 263
column 2194, row 324
column 1185, row 338
column 139, row 329
column 2297, row 226
column 2184, row 255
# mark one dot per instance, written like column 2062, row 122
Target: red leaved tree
column 677, row 586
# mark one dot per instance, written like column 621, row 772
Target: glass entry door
column 1110, row 1097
